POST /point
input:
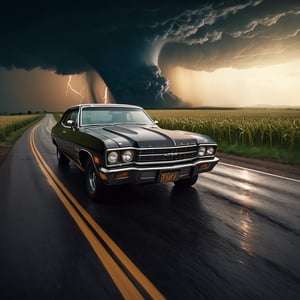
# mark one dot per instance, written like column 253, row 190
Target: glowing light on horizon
column 272, row 85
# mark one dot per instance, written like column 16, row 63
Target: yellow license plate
column 170, row 176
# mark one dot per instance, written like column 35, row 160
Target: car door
column 69, row 133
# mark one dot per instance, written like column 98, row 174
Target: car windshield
column 114, row 115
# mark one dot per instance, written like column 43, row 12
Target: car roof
column 112, row 105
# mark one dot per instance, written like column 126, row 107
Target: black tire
column 93, row 183
column 185, row 183
column 62, row 159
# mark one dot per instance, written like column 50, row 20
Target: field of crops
column 9, row 124
column 252, row 128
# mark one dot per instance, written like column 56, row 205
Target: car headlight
column 201, row 151
column 127, row 156
column 112, row 157
column 210, row 151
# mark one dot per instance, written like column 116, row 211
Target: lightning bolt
column 69, row 87
column 105, row 95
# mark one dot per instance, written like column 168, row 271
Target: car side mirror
column 71, row 123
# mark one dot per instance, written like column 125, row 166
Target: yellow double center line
column 85, row 222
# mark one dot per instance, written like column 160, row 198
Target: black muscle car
column 120, row 144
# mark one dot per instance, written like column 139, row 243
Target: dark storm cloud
column 253, row 33
column 124, row 41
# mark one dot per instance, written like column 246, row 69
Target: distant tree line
column 29, row 112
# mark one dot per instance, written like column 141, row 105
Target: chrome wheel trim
column 92, row 180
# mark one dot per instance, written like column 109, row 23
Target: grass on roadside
column 57, row 116
column 274, row 153
column 12, row 128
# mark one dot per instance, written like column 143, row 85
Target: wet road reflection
column 200, row 243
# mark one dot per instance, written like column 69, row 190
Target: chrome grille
column 166, row 154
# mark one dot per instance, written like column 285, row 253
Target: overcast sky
column 161, row 54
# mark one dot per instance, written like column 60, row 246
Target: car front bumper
column 139, row 175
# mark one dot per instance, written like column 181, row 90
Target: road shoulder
column 263, row 165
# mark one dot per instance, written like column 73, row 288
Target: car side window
column 71, row 116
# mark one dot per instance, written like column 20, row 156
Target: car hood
column 147, row 137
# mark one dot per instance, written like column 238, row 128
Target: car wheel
column 184, row 183
column 62, row 159
column 94, row 186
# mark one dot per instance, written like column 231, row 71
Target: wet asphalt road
column 234, row 235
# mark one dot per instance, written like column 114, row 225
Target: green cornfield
column 254, row 129
column 9, row 124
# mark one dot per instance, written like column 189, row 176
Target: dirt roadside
column 273, row 167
